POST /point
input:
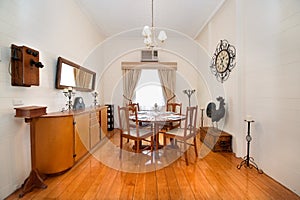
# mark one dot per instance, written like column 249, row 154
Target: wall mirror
column 69, row 74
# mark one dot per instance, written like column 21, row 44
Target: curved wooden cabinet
column 63, row 138
column 54, row 143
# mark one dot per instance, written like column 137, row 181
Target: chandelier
column 149, row 34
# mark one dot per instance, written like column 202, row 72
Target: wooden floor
column 213, row 177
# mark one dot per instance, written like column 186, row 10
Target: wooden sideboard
column 215, row 139
column 63, row 138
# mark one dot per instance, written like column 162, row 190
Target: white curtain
column 168, row 80
column 130, row 79
column 132, row 74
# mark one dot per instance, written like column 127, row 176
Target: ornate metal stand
column 202, row 110
column 95, row 94
column 248, row 161
column 189, row 94
column 69, row 93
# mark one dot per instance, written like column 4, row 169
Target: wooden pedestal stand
column 34, row 180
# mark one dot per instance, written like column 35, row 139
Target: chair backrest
column 191, row 120
column 133, row 108
column 124, row 121
column 174, row 107
column 134, row 105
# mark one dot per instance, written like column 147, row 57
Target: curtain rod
column 149, row 65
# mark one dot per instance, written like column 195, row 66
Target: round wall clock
column 223, row 60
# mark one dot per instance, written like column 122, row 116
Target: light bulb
column 146, row 31
column 162, row 36
column 148, row 40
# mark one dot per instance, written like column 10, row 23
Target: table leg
column 156, row 137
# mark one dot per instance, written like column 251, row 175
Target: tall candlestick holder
column 189, row 94
column 95, row 94
column 248, row 161
column 69, row 93
column 202, row 117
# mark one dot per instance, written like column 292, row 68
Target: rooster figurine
column 215, row 114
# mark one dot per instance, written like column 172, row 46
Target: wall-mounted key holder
column 25, row 66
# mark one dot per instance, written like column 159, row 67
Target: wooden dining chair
column 187, row 132
column 132, row 106
column 176, row 108
column 137, row 134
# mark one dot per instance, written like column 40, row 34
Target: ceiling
column 115, row 16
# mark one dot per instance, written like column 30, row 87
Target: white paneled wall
column 272, row 86
column 265, row 83
column 48, row 26
column 187, row 77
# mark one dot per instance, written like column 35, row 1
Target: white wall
column 55, row 28
column 223, row 26
column 187, row 77
column 193, row 62
column 265, row 82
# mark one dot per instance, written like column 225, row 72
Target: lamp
column 149, row 34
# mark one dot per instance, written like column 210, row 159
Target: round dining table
column 157, row 119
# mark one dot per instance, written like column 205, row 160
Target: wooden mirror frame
column 59, row 85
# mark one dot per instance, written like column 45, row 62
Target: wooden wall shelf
column 30, row 111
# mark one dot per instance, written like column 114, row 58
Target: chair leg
column 165, row 140
column 172, row 141
column 152, row 144
column 175, row 142
column 195, row 146
column 186, row 158
column 156, row 141
column 137, row 142
column 185, row 153
column 121, row 145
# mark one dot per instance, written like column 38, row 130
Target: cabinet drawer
column 82, row 139
column 94, row 115
column 94, row 122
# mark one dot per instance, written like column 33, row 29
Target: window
column 149, row 91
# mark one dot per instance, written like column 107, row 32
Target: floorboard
column 213, row 176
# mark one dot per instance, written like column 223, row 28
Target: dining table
column 157, row 119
